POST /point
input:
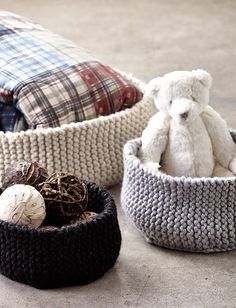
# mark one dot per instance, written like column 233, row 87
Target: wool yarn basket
column 71, row 255
column 90, row 149
column 190, row 214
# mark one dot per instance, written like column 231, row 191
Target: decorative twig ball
column 24, row 173
column 65, row 196
column 22, row 204
column 87, row 215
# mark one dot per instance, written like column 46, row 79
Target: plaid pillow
column 11, row 119
column 50, row 81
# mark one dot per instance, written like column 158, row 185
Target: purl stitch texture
column 192, row 214
column 91, row 149
column 73, row 254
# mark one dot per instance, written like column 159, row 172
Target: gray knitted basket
column 179, row 213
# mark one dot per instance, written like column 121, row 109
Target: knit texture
column 90, row 149
column 73, row 254
column 192, row 214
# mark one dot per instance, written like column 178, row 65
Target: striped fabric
column 47, row 81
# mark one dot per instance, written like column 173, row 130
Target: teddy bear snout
column 184, row 115
column 181, row 110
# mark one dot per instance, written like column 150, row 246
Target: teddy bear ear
column 204, row 77
column 153, row 86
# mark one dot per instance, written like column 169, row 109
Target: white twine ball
column 22, row 204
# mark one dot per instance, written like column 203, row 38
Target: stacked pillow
column 47, row 81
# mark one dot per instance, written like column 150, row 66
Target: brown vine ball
column 87, row 215
column 23, row 172
column 65, row 196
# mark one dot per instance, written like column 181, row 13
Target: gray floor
column 147, row 38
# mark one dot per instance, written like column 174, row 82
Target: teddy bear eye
column 194, row 99
column 170, row 103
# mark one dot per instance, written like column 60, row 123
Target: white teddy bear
column 186, row 137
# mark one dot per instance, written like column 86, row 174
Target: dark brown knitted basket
column 73, row 254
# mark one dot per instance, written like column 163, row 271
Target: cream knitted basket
column 90, row 149
column 179, row 213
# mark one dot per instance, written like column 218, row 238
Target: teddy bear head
column 182, row 94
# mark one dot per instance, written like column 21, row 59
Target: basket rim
column 130, row 155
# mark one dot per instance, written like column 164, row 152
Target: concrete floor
column 147, row 38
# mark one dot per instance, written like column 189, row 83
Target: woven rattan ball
column 23, row 172
column 87, row 215
column 65, row 196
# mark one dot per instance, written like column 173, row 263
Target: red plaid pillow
column 82, row 92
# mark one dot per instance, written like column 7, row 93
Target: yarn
column 70, row 255
column 193, row 214
column 22, row 204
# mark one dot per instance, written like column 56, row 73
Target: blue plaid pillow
column 11, row 119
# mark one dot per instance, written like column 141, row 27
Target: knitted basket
column 73, row 254
column 192, row 214
column 90, row 149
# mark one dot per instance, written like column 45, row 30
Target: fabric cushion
column 11, row 119
column 49, row 81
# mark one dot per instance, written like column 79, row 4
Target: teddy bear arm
column 154, row 138
column 224, row 148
